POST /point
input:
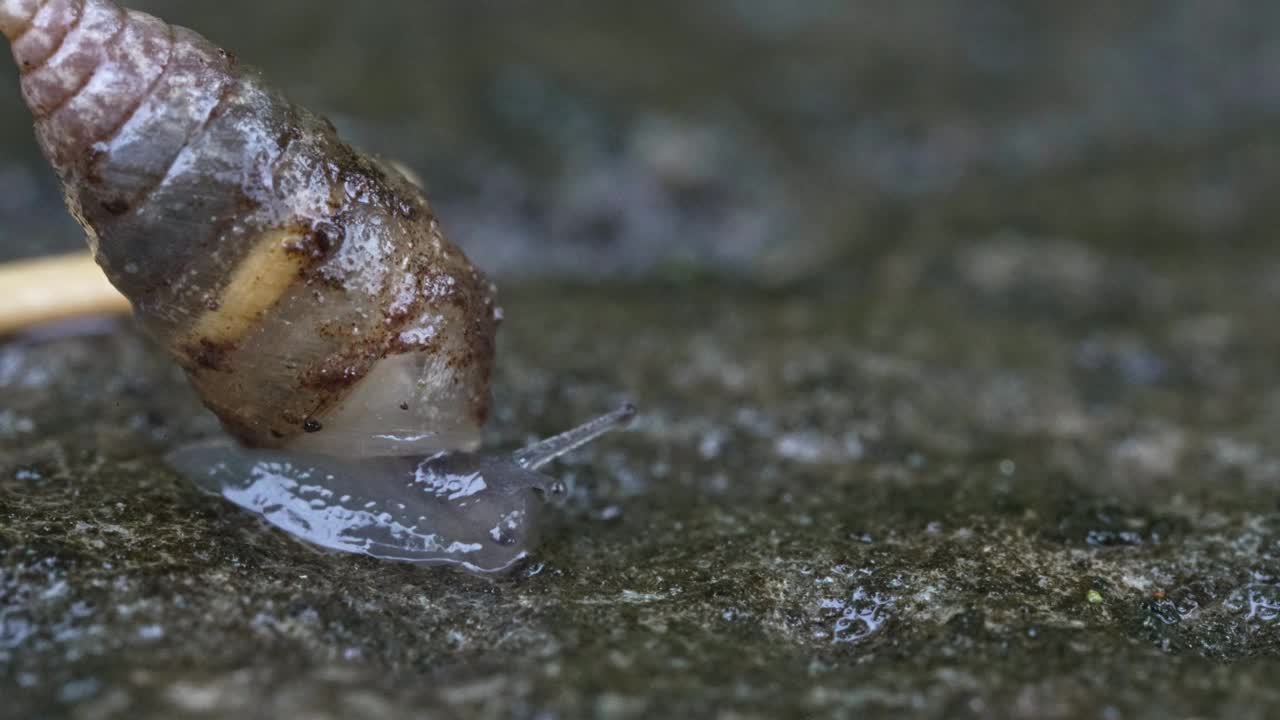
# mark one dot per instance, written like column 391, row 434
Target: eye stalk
column 544, row 451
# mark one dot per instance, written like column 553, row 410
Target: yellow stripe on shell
column 257, row 283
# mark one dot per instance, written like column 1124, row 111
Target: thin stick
column 61, row 287
column 544, row 451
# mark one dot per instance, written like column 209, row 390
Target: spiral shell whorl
column 300, row 284
column 16, row 17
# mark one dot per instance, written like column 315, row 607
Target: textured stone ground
column 959, row 385
column 837, row 502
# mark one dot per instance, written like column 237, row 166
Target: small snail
column 305, row 287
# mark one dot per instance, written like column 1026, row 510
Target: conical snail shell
column 306, row 289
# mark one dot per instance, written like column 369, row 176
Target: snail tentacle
column 544, row 451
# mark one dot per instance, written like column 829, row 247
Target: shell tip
column 16, row 16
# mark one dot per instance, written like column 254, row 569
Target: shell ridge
column 28, row 49
column 162, row 178
column 142, row 97
column 71, row 29
column 31, row 21
column 84, row 83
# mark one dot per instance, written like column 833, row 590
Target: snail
column 306, row 288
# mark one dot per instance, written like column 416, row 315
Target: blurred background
column 776, row 143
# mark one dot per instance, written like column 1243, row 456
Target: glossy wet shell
column 307, row 290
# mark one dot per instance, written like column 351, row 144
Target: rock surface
column 997, row 440
column 943, row 503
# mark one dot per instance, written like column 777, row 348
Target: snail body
column 481, row 512
column 307, row 289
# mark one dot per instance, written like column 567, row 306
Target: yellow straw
column 62, row 287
